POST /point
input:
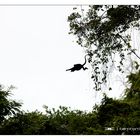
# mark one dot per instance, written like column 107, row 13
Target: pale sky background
column 35, row 51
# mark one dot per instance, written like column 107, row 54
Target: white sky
column 35, row 51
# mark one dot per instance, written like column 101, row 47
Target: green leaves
column 7, row 107
column 114, row 113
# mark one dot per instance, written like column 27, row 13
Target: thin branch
column 130, row 49
column 135, row 53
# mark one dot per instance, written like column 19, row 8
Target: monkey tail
column 72, row 70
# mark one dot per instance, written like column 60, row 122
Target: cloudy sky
column 35, row 51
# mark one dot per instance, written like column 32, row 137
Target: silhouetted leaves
column 119, row 115
column 7, row 107
column 102, row 30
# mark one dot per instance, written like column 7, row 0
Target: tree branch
column 135, row 53
column 130, row 49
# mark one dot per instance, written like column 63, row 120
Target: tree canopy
column 119, row 115
column 104, row 31
column 7, row 107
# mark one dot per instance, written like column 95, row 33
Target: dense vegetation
column 103, row 30
column 121, row 115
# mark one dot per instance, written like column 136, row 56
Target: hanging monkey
column 78, row 67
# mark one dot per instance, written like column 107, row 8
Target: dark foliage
column 104, row 31
column 121, row 116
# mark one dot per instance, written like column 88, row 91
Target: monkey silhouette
column 78, row 67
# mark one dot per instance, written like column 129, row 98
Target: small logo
column 109, row 128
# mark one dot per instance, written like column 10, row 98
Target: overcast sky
column 35, row 51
